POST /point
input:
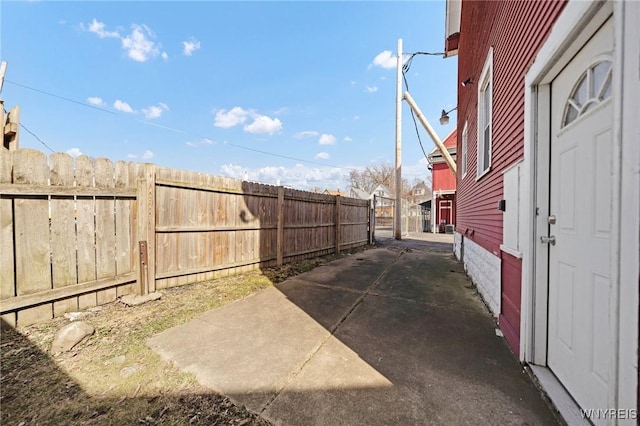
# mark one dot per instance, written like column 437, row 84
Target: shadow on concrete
column 391, row 335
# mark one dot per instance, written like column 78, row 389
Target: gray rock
column 128, row 371
column 70, row 335
column 115, row 361
column 134, row 299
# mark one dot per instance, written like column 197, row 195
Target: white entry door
column 579, row 346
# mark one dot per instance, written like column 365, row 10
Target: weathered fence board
column 85, row 223
column 31, row 221
column 105, row 229
column 63, row 231
column 7, row 272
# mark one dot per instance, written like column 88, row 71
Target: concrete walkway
column 390, row 336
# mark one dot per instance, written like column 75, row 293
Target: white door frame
column 442, row 205
column 577, row 22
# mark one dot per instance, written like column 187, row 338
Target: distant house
column 359, row 193
column 444, row 186
column 382, row 191
column 420, row 193
column 548, row 206
column 383, row 201
column 334, row 193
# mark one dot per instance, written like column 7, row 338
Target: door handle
column 548, row 240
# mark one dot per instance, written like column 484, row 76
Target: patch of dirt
column 112, row 377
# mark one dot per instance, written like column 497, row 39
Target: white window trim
column 463, row 148
column 486, row 77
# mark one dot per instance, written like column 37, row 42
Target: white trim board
column 559, row 396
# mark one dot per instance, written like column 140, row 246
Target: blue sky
column 214, row 86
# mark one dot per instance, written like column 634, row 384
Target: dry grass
column 112, row 377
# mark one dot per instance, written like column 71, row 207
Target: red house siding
column 509, row 319
column 516, row 31
column 443, row 178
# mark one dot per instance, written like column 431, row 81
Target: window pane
column 487, row 103
column 570, row 115
column 485, row 148
column 580, row 95
column 600, row 73
column 606, row 92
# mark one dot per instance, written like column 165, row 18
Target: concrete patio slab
column 404, row 340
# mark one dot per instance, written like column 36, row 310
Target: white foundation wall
column 483, row 267
column 457, row 245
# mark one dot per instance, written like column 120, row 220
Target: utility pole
column 397, row 214
column 3, row 118
column 9, row 124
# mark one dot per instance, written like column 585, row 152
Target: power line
column 184, row 132
column 61, row 97
column 165, row 127
column 405, row 69
column 36, row 136
column 33, row 134
column 290, row 158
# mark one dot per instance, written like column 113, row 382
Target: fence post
column 280, row 237
column 372, row 220
column 147, row 230
column 338, row 225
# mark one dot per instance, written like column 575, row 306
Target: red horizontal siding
column 516, row 30
column 511, row 270
column 443, row 178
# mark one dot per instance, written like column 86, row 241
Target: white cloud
column 238, row 115
column 327, row 139
column 356, row 117
column 264, row 124
column 235, row 116
column 347, row 139
column 95, row 100
column 385, row 59
column 306, row 134
column 299, row 177
column 203, row 141
column 353, row 83
column 147, row 155
column 99, row 29
column 132, row 156
column 322, row 156
column 190, row 46
column 139, row 44
column 122, row 106
column 74, row 152
column 154, row 111
column 371, row 89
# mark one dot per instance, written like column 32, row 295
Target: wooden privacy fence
column 65, row 233
column 206, row 226
column 76, row 234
